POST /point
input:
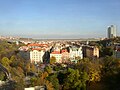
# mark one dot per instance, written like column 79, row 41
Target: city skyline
column 58, row 18
column 112, row 31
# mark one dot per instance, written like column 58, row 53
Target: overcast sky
column 58, row 18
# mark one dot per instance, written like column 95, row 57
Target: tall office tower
column 112, row 31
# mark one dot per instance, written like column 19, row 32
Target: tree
column 84, row 78
column 42, row 78
column 73, row 80
column 17, row 74
column 6, row 63
column 2, row 75
column 33, row 81
column 52, row 60
column 27, row 68
column 13, row 58
column 91, row 69
column 111, row 72
column 48, row 69
column 53, row 79
column 33, row 68
column 42, row 81
column 14, row 61
column 48, row 85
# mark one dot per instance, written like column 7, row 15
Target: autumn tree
column 42, row 81
column 2, row 75
column 75, row 80
column 6, row 63
column 27, row 68
column 111, row 72
column 54, row 80
column 33, row 68
column 52, row 60
column 48, row 69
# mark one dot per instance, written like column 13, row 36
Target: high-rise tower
column 112, row 31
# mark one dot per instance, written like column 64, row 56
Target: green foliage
column 32, row 81
column 75, row 80
column 110, row 65
column 48, row 69
column 111, row 72
column 2, row 75
column 106, row 51
column 13, row 58
column 53, row 79
column 17, row 74
column 19, row 85
column 27, row 68
column 57, row 68
column 5, row 61
column 61, row 76
column 7, row 49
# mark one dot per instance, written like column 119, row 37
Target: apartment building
column 36, row 55
column 90, row 51
column 76, row 52
column 65, row 56
column 57, row 55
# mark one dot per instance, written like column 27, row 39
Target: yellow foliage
column 49, row 85
column 94, row 75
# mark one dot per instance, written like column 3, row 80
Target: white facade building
column 57, row 55
column 76, row 52
column 36, row 56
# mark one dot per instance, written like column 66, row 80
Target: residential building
column 36, row 55
column 76, row 52
column 57, row 55
column 38, row 46
column 90, row 51
column 112, row 31
column 65, row 56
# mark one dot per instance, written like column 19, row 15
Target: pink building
column 65, row 56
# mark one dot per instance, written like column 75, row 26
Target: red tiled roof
column 56, row 52
column 38, row 49
column 36, row 44
column 64, row 51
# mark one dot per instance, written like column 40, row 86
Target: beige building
column 36, row 55
column 90, row 51
column 57, row 55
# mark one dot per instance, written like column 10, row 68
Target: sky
column 58, row 18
